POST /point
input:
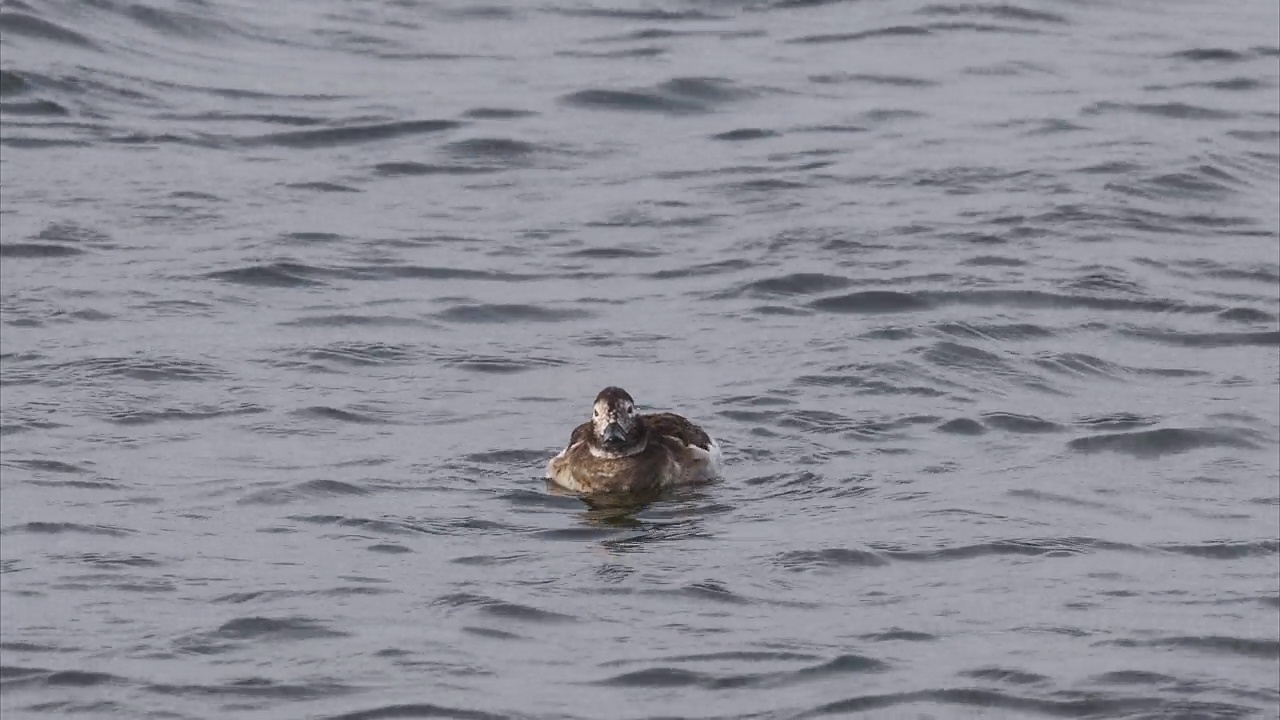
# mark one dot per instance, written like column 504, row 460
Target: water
column 982, row 301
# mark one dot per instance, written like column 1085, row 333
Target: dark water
column 981, row 300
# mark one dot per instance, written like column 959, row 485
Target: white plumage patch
column 712, row 460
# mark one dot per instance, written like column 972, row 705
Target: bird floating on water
column 623, row 451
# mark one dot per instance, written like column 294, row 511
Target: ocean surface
column 982, row 300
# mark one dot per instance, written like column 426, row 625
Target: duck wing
column 580, row 434
column 673, row 425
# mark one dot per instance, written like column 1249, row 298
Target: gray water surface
column 981, row 299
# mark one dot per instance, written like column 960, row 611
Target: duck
column 623, row 451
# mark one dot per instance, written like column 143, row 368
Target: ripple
column 18, row 23
column 614, row 252
column 1059, row 499
column 510, row 313
column 41, row 143
column 744, row 134
column 1210, row 55
column 869, row 79
column 493, row 148
column 1011, row 422
column 962, row 426
column 416, row 710
column 1246, row 315
column 883, row 554
column 582, row 534
column 411, row 168
column 358, row 417
column 1170, row 110
column 321, row 186
column 795, row 284
column 650, row 15
column 758, row 186
column 498, row 113
column 1226, row 550
column 115, row 560
column 272, row 275
column 895, row 31
column 893, row 301
column 25, row 647
column 302, row 491
column 507, row 457
column 1047, row 547
column 842, row 664
column 1133, row 677
column 38, row 250
column 362, row 353
column 418, row 272
column 79, row 484
column 13, row 83
column 640, row 52
column 901, row 636
column 725, row 655
column 663, row 678
column 57, row 528
column 140, row 416
column 1077, row 364
column 1116, row 421
column 1003, row 12
column 1268, row 275
column 873, row 301
column 490, row 560
column 257, row 687
column 679, row 96
column 503, row 609
column 976, row 361
column 868, row 385
column 1203, row 183
column 998, row 674
column 54, row 466
column 147, row 369
column 274, row 629
column 1010, row 331
column 829, row 557
column 1248, row 647
column 350, row 135
column 495, row 365
column 1167, row 441
column 819, row 421
column 13, row 677
column 1207, row 340
column 632, row 101
column 668, row 677
column 462, row 526
column 1083, row 364
column 987, row 701
column 714, row 591
column 355, row 320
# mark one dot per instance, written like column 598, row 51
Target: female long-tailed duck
column 623, row 451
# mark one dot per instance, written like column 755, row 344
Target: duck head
column 615, row 424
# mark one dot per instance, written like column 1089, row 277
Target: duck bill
column 614, row 434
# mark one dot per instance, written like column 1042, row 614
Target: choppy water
column 981, row 299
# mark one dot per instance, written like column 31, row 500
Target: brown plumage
column 622, row 451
